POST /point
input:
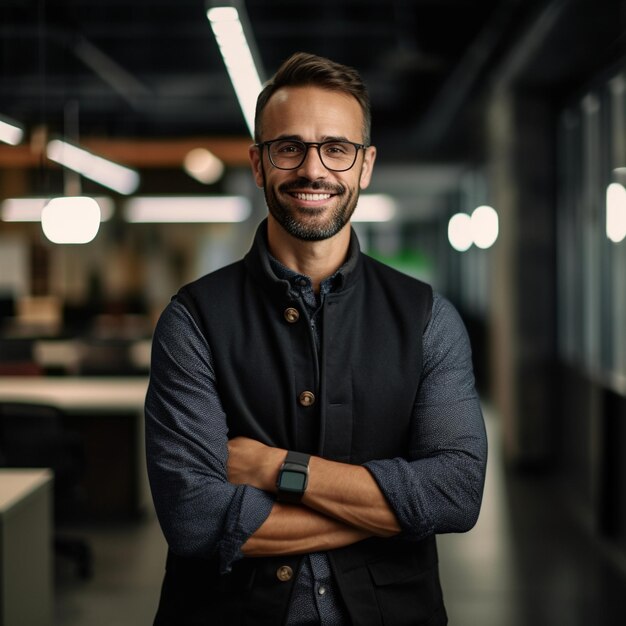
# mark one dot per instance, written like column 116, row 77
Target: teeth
column 311, row 197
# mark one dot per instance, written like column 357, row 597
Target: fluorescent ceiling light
column 374, row 208
column 616, row 212
column 231, row 39
column 29, row 209
column 10, row 132
column 117, row 177
column 71, row 219
column 187, row 209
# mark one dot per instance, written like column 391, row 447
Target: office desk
column 108, row 412
column 25, row 547
column 77, row 395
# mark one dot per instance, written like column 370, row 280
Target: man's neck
column 316, row 259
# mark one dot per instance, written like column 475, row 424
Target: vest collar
column 258, row 264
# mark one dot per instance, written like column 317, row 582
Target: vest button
column 291, row 315
column 284, row 573
column 306, row 398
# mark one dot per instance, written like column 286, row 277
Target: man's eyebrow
column 335, row 138
column 287, row 137
column 324, row 138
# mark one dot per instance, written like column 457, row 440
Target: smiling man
column 316, row 203
column 311, row 419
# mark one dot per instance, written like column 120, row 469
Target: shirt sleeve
column 439, row 487
column 200, row 512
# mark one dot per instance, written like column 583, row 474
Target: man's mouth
column 311, row 197
column 315, row 193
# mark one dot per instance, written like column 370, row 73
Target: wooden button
column 284, row 573
column 306, row 398
column 292, row 315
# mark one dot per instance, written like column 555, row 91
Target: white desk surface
column 17, row 484
column 76, row 394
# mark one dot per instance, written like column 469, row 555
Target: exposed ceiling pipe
column 456, row 90
column 101, row 64
column 528, row 45
column 111, row 72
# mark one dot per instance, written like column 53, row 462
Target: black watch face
column 292, row 481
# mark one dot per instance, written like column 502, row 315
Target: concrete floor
column 524, row 564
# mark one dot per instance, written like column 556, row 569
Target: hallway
column 523, row 564
column 526, row 563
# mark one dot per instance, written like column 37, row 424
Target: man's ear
column 256, row 155
column 368, row 166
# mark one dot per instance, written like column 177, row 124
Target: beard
column 300, row 222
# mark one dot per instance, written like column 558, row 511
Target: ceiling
column 149, row 70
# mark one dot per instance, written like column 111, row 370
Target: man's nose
column 312, row 166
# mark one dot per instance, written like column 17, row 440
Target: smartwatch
column 293, row 477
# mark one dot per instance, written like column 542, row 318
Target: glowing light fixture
column 231, row 39
column 485, row 226
column 71, row 219
column 117, row 177
column 190, row 209
column 29, row 209
column 203, row 165
column 616, row 212
column 460, row 232
column 10, row 132
column 480, row 229
column 374, row 208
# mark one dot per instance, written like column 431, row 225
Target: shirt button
column 306, row 398
column 291, row 315
column 284, row 573
column 303, row 282
column 321, row 590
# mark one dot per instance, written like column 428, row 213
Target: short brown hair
column 302, row 69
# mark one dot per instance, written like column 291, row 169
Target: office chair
column 34, row 435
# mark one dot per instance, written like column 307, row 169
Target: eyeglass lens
column 335, row 155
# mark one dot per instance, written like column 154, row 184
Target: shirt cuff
column 400, row 486
column 249, row 508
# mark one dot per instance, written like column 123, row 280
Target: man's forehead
column 280, row 96
column 284, row 94
column 311, row 105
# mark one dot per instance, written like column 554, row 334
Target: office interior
column 518, row 106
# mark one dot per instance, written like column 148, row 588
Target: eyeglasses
column 290, row 154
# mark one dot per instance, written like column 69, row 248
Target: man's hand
column 253, row 463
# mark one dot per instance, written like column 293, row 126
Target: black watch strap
column 299, row 458
column 293, row 477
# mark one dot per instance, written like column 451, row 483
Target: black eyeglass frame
column 308, row 145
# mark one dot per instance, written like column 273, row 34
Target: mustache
column 317, row 185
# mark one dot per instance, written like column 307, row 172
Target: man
column 311, row 419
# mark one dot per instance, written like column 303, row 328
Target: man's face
column 311, row 202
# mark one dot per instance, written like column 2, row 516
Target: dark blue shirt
column 427, row 491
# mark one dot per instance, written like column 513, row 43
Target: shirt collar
column 260, row 265
column 300, row 282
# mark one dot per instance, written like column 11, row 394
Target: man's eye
column 335, row 149
column 289, row 148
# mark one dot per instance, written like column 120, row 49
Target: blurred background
column 501, row 135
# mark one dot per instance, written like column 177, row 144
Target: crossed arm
column 342, row 504
column 214, row 496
